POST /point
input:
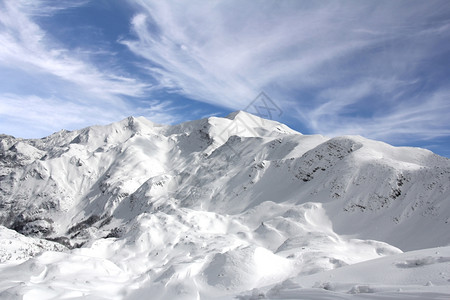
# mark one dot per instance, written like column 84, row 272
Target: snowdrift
column 218, row 208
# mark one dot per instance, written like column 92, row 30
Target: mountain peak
column 258, row 125
column 212, row 206
column 239, row 113
column 135, row 123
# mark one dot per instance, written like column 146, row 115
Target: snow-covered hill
column 208, row 208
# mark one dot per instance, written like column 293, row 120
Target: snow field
column 194, row 211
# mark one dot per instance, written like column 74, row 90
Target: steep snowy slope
column 15, row 247
column 209, row 208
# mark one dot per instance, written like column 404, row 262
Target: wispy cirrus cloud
column 372, row 68
column 375, row 68
column 400, row 123
column 27, row 46
column 225, row 52
column 34, row 116
column 30, row 114
column 48, row 86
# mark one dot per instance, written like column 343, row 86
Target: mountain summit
column 209, row 208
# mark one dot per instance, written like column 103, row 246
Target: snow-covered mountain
column 212, row 208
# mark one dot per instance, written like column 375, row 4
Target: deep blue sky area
column 373, row 68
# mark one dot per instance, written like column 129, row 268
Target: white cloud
column 422, row 118
column 82, row 93
column 341, row 67
column 28, row 47
column 225, row 52
column 30, row 116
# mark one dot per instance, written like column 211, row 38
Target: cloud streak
column 26, row 46
column 64, row 90
column 343, row 67
column 29, row 115
column 374, row 68
column 401, row 123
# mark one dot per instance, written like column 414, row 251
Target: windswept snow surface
column 220, row 208
column 421, row 274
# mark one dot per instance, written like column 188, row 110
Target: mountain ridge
column 202, row 205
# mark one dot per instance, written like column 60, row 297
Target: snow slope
column 421, row 274
column 214, row 208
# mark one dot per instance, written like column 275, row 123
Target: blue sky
column 379, row 69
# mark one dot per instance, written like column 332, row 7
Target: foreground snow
column 192, row 211
column 422, row 274
column 86, row 274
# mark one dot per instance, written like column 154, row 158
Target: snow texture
column 220, row 208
